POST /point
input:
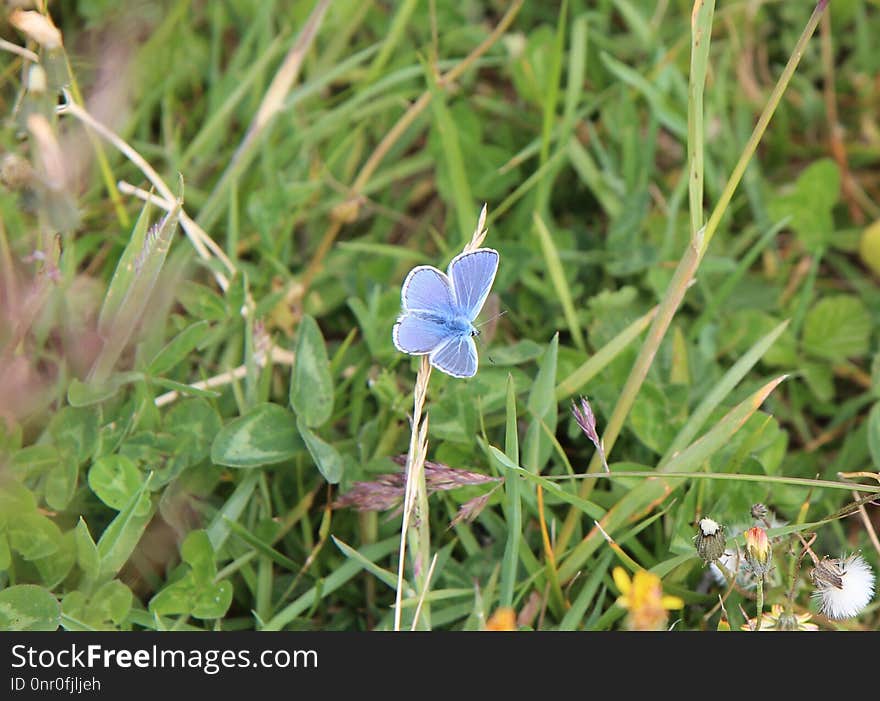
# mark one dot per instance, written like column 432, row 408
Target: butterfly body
column 439, row 310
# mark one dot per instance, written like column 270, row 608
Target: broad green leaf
column 212, row 601
column 265, row 435
column 34, row 460
column 192, row 424
column 115, row 479
column 311, row 385
column 74, row 431
column 33, row 536
column 657, row 414
column 820, row 379
column 55, row 567
column 837, row 327
column 111, row 602
column 809, row 205
column 198, row 553
column 61, row 484
column 175, row 599
column 326, row 457
column 29, row 607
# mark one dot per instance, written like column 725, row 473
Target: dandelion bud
column 844, row 586
column 709, row 540
column 759, row 512
column 758, row 551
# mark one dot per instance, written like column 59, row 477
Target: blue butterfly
column 439, row 310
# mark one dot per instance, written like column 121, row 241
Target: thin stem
column 760, row 603
column 415, row 476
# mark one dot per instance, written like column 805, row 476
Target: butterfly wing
column 417, row 334
column 427, row 289
column 456, row 357
column 472, row 274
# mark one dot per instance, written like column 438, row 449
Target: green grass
column 197, row 392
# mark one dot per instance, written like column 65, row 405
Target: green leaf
column 657, row 414
column 75, row 431
column 212, row 601
column 198, row 553
column 124, row 273
column 55, row 567
column 115, row 479
column 193, row 424
column 112, row 601
column 179, row 347
column 201, row 302
column 86, row 551
column 81, row 394
column 29, row 607
column 311, row 385
column 33, row 536
column 587, row 507
column 5, row 552
column 326, row 457
column 34, row 460
column 837, row 327
column 820, row 379
column 541, row 405
column 119, row 539
column 809, row 205
column 265, row 435
column 874, row 435
column 144, row 261
column 61, row 484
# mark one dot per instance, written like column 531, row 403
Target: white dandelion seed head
column 844, row 586
column 708, row 526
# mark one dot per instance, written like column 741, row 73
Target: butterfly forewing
column 427, row 289
column 456, row 357
column 472, row 275
column 417, row 334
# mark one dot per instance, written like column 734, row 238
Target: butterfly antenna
column 492, row 318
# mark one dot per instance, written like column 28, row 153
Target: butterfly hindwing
column 456, row 357
column 417, row 334
column 472, row 274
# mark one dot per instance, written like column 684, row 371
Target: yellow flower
column 643, row 598
column 778, row 619
column 503, row 619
